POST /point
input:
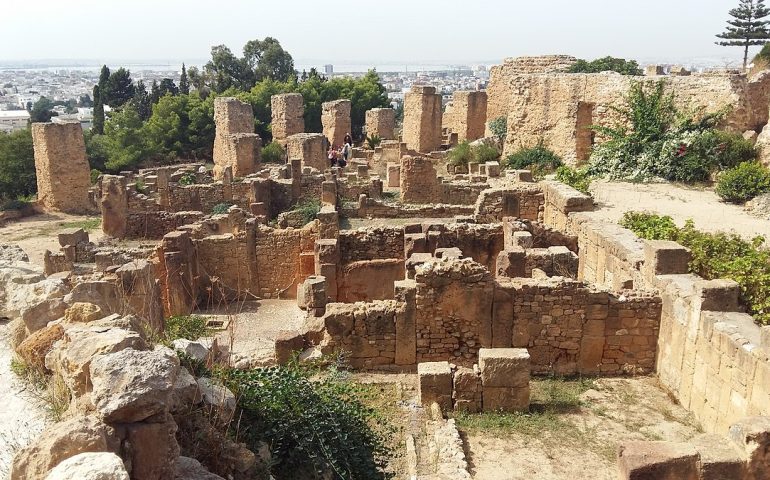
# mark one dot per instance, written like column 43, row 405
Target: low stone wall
column 375, row 243
column 369, row 280
column 559, row 201
column 379, row 209
column 523, row 200
column 153, row 225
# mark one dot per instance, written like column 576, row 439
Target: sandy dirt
column 22, row 415
column 613, row 411
column 703, row 206
column 37, row 234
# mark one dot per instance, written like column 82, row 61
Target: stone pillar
column 288, row 112
column 422, row 119
column 310, row 148
column 235, row 143
column 381, row 122
column 469, row 115
column 163, row 179
column 419, row 181
column 61, row 165
column 114, row 205
column 405, row 291
column 327, row 257
column 329, row 193
column 335, row 117
column 178, row 286
column 311, row 295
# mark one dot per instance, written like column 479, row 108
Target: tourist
column 331, row 154
column 342, row 158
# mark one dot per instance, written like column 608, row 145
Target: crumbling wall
column 335, row 118
column 235, row 144
column 288, row 110
column 381, row 122
column 419, row 183
column 525, row 200
column 374, row 243
column 310, row 148
column 469, row 115
column 422, row 119
column 61, row 167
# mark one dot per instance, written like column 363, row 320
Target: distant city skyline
column 344, row 32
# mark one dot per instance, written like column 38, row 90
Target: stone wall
column 469, row 115
column 61, row 167
column 374, row 243
column 422, row 119
column 381, row 122
column 154, row 225
column 419, row 183
column 558, row 108
column 288, row 119
column 310, row 148
column 559, row 201
column 525, row 200
column 335, row 117
column 371, row 207
column 235, row 144
column 366, row 330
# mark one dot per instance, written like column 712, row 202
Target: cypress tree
column 184, row 83
column 98, row 122
column 747, row 28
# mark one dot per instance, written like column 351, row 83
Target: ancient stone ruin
column 473, row 281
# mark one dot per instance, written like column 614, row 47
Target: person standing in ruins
column 331, row 154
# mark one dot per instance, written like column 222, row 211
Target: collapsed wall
column 61, row 167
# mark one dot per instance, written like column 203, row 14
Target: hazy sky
column 357, row 31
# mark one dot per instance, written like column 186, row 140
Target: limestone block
column 721, row 295
column 35, row 347
column 191, row 469
column 201, row 349
column 132, row 385
column 657, row 461
column 155, row 451
column 451, row 252
column 466, row 390
column 504, row 367
column 521, row 175
column 90, row 466
column 435, row 384
column 61, row 441
column 493, row 169
column 505, row 399
column 415, row 243
column 217, row 396
column 286, row 344
column 311, row 294
column 394, row 175
column 310, row 148
column 415, row 260
column 72, row 236
column 511, row 263
column 663, row 257
column 82, row 312
column 752, row 437
column 523, row 239
column 329, row 193
column 185, row 392
column 719, row 459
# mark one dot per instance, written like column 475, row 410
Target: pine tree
column 747, row 28
column 184, row 83
column 98, row 122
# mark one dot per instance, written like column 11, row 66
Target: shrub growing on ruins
column 221, row 208
column 715, row 255
column 483, row 153
column 140, row 186
column 314, row 421
column 187, row 179
column 499, row 128
column 540, row 159
column 607, row 64
column 95, row 174
column 577, row 178
column 373, row 141
column 743, row 182
column 461, row 155
column 308, row 210
column 273, row 152
column 652, row 139
column 189, row 327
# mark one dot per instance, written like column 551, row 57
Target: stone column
column 61, row 165
column 235, row 145
column 114, row 205
column 381, row 122
column 335, row 117
column 288, row 112
column 469, row 115
column 422, row 119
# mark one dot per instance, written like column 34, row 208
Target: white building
column 11, row 120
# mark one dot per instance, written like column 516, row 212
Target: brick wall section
column 335, row 117
column 381, row 122
column 469, row 115
column 371, row 244
column 422, row 119
column 61, row 167
column 288, row 111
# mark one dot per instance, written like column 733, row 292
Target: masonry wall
column 288, row 111
column 235, row 144
column 524, row 200
column 61, row 167
column 469, row 115
column 419, row 183
column 422, row 119
column 376, row 243
column 366, row 330
column 381, row 122
column 335, row 118
column 310, row 147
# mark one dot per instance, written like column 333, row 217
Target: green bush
column 188, row 179
column 499, row 128
column 540, row 159
column 15, row 204
column 607, row 64
column 190, row 327
column 461, row 155
column 221, row 208
column 17, row 165
column 652, row 139
column 484, row 153
column 577, row 178
column 716, row 255
column 95, row 174
column 140, row 186
column 743, row 182
column 373, row 141
column 273, row 152
column 313, row 420
column 309, row 210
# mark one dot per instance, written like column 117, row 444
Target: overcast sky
column 361, row 31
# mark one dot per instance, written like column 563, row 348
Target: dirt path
column 681, row 203
column 22, row 416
